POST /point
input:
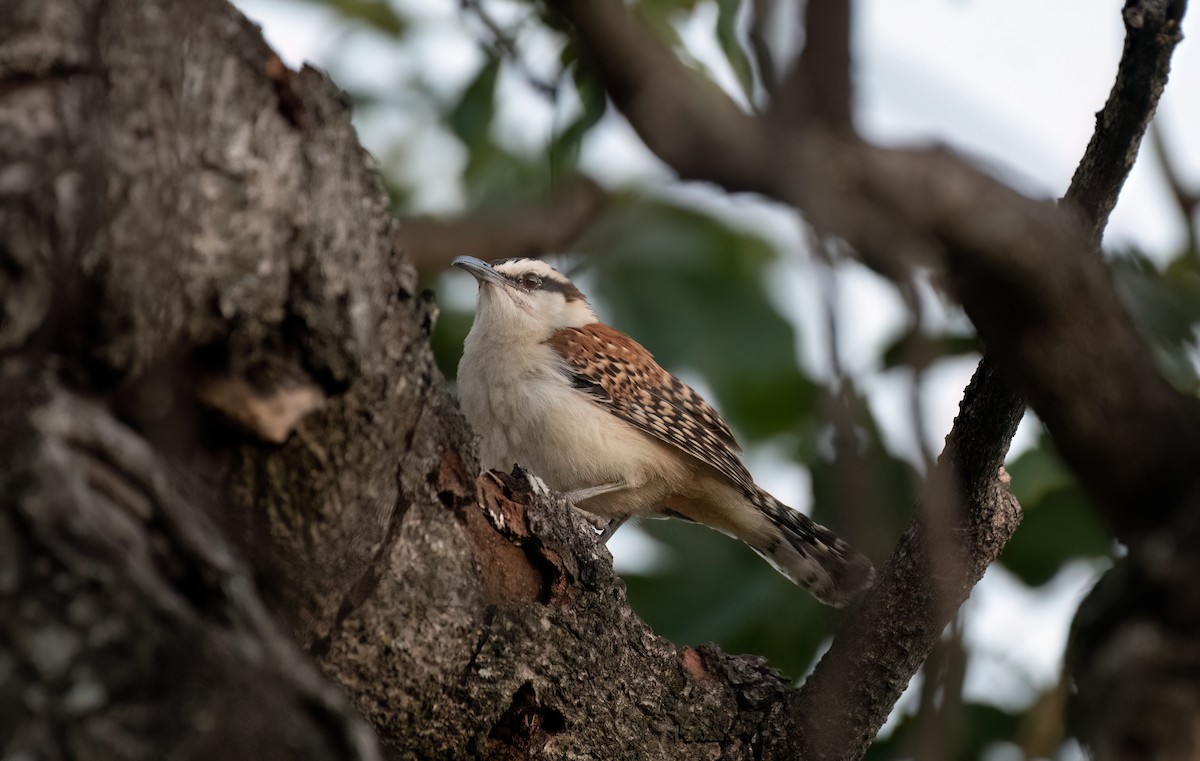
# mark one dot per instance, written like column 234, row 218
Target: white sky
column 1013, row 83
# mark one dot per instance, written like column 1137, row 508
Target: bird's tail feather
column 811, row 555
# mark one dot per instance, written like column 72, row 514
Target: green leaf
column 864, row 492
column 732, row 47
column 471, row 118
column 1059, row 524
column 919, row 350
column 1166, row 309
column 691, row 289
column 447, row 340
column 497, row 179
column 1157, row 309
column 493, row 176
column 377, row 14
column 1037, row 472
column 966, row 738
column 715, row 589
column 564, row 150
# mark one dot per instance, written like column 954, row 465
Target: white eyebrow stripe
column 554, row 281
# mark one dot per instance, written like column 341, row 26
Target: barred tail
column 811, row 555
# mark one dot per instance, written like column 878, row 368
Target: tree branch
column 682, row 117
column 1020, row 269
column 1186, row 199
column 883, row 641
column 819, row 90
column 1152, row 30
column 536, row 230
column 169, row 224
column 1008, row 257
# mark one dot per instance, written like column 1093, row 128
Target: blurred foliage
column 978, row 728
column 731, row 45
column 493, row 175
column 861, row 489
column 1059, row 524
column 712, row 589
column 693, row 288
column 916, row 350
column 375, row 14
column 1165, row 304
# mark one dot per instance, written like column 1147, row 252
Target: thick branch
column 883, row 641
column 1000, row 248
column 1016, row 264
column 203, row 250
column 682, row 117
column 1052, row 317
column 537, row 230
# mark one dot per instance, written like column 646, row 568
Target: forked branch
column 1044, row 306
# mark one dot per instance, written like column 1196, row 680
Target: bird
column 546, row 385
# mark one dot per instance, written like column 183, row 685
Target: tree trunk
column 212, row 351
column 228, row 455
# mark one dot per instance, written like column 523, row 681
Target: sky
column 1014, row 84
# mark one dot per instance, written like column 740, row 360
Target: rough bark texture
column 209, row 349
column 198, row 256
column 1050, row 317
column 968, row 518
column 130, row 628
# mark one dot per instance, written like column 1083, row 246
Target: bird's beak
column 479, row 269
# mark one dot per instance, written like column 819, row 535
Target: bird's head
column 526, row 296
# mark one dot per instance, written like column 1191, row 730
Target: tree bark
column 228, row 454
column 207, row 327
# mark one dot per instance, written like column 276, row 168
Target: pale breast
column 538, row 420
column 489, row 389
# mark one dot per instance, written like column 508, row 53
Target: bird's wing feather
column 620, row 374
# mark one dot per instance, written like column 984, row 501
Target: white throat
column 508, row 316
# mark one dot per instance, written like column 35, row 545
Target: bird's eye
column 531, row 282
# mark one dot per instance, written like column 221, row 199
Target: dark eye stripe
column 549, row 284
column 568, row 290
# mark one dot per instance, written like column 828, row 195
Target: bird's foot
column 611, row 529
column 604, row 527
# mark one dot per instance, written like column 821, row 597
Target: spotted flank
column 619, row 373
column 811, row 555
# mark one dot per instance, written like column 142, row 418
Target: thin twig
column 506, row 48
column 761, row 14
column 1187, row 200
